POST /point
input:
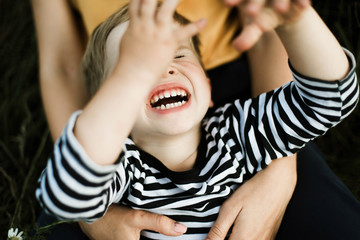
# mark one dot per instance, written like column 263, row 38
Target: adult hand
column 260, row 16
column 122, row 223
column 257, row 207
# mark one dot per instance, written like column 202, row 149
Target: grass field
column 25, row 143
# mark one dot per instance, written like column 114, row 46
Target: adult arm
column 60, row 48
column 256, row 209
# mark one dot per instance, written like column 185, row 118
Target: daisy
column 13, row 235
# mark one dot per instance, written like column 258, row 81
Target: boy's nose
column 169, row 71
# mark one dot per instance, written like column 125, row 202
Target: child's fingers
column 253, row 7
column 189, row 30
column 281, row 6
column 232, row 3
column 255, row 28
column 134, row 7
column 248, row 37
column 147, row 9
column 166, row 11
column 285, row 6
column 303, row 3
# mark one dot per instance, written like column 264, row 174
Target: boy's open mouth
column 168, row 99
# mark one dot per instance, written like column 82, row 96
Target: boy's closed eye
column 179, row 56
column 183, row 51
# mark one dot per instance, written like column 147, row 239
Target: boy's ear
column 211, row 101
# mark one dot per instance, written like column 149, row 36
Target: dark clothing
column 322, row 207
column 230, row 81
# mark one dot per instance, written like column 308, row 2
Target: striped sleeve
column 331, row 100
column 279, row 123
column 72, row 186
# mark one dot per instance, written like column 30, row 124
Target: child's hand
column 150, row 42
column 260, row 16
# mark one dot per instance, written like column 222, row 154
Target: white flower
column 13, row 235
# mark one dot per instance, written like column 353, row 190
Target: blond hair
column 94, row 68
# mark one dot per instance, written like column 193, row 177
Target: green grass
column 24, row 138
column 25, row 143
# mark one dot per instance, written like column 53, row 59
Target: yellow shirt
column 216, row 47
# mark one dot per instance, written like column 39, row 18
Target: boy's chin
column 177, row 128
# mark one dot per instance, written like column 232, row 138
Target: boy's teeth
column 173, row 93
column 171, row 105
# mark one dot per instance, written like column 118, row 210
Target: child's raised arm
column 313, row 50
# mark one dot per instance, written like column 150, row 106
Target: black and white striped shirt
column 238, row 140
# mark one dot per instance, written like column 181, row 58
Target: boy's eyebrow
column 182, row 47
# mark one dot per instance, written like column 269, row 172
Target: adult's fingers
column 158, row 223
column 223, row 223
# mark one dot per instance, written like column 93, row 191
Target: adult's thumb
column 223, row 223
column 217, row 232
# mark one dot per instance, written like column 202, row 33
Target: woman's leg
column 322, row 207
